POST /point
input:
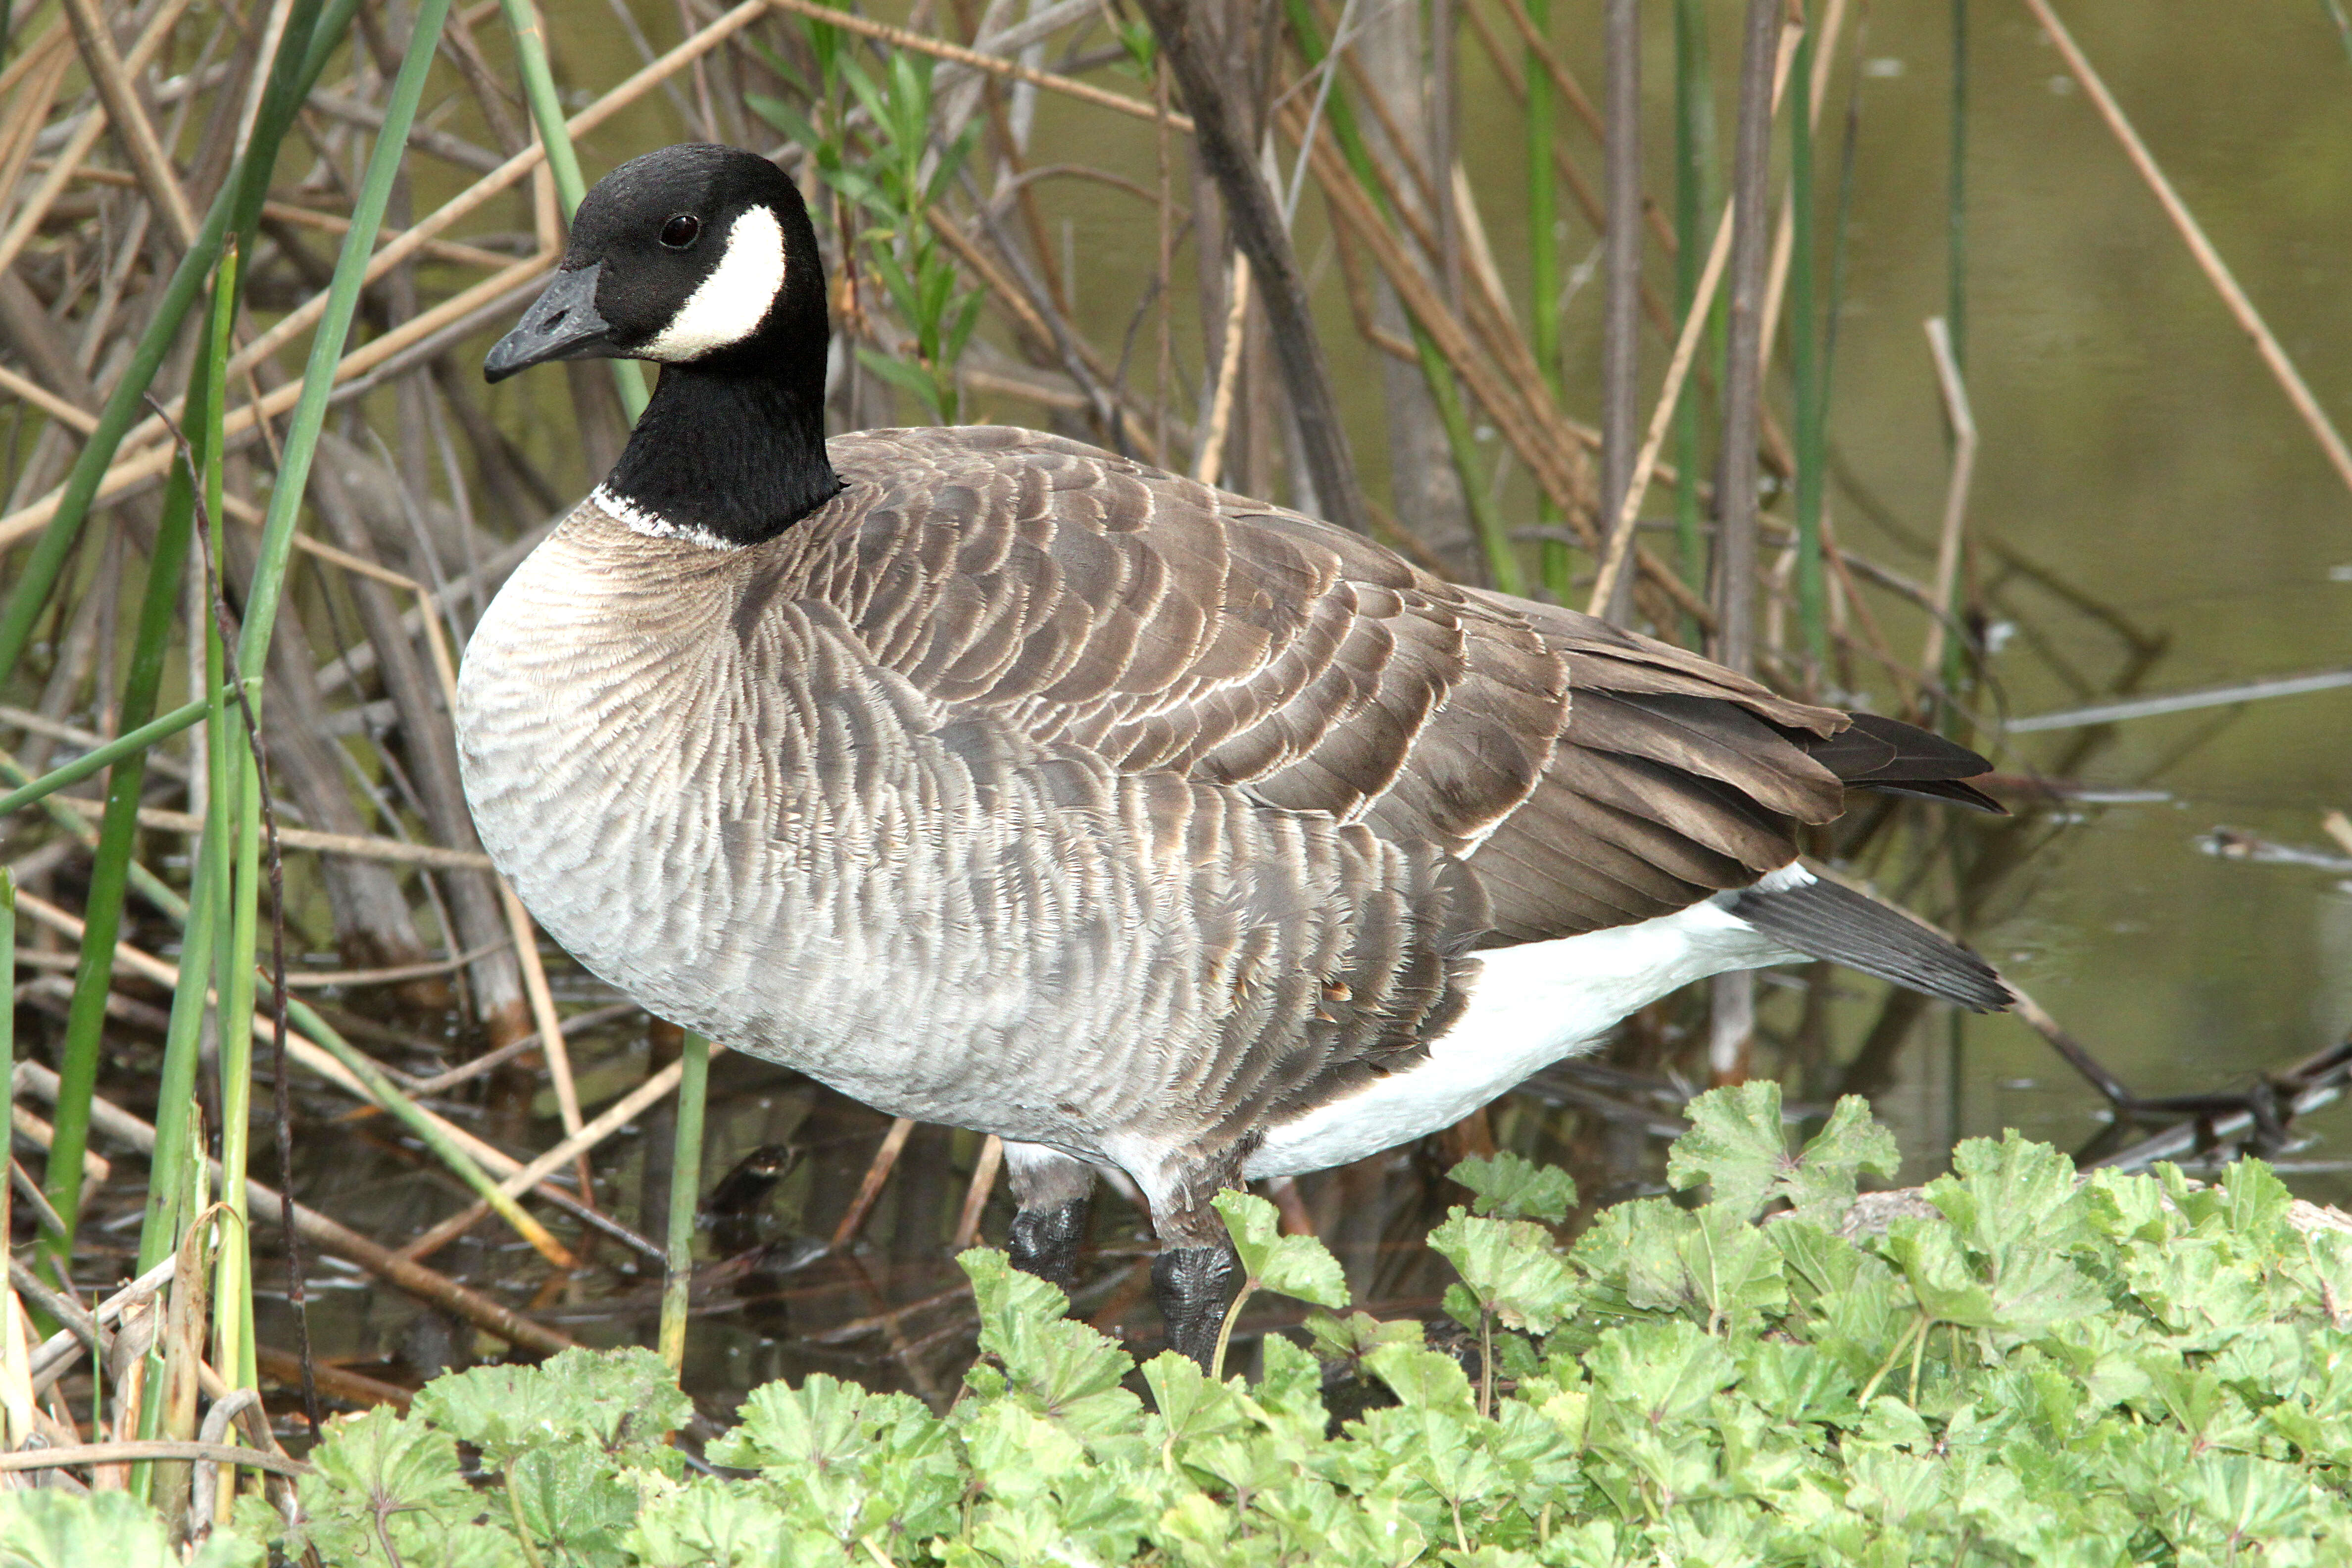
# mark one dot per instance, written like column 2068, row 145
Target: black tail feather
column 1895, row 758
column 1826, row 920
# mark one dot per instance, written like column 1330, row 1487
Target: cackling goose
column 997, row 780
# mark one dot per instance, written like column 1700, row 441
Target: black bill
column 562, row 323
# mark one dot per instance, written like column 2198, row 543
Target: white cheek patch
column 729, row 304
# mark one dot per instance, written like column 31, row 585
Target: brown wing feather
column 1165, row 626
column 1090, row 602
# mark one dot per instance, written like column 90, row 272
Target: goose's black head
column 702, row 259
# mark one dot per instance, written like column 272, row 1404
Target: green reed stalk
column 129, row 743
column 1543, row 276
column 175, row 1138
column 1804, row 356
column 685, row 1194
column 79, row 1056
column 1486, row 518
column 1694, row 152
column 563, row 158
column 173, row 1203
column 145, row 882
column 175, row 1085
column 312, row 30
column 300, row 1015
column 334, row 328
column 231, row 755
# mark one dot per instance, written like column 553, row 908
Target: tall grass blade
column 110, row 873
column 334, row 328
column 685, row 1193
column 563, row 158
column 232, row 752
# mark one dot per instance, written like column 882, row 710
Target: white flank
column 729, row 304
column 1529, row 1006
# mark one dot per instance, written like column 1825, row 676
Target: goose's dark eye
column 681, row 231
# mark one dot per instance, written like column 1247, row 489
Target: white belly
column 1529, row 1006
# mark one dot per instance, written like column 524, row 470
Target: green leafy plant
column 2045, row 1368
column 885, row 164
column 1294, row 1265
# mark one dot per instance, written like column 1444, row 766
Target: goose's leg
column 1195, row 1276
column 1054, row 1193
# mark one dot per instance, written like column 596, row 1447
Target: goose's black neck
column 736, row 451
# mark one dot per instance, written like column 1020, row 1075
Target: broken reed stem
column 357, row 847
column 1955, row 392
column 333, row 1058
column 975, row 1198
column 158, row 1449
column 490, row 1316
column 1210, row 461
column 126, row 117
column 878, row 1173
column 2208, row 259
column 68, row 159
column 615, row 1117
column 543, row 1014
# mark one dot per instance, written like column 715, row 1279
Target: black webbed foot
column 1194, row 1286
column 1044, row 1241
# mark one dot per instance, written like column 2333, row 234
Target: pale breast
column 758, row 835
column 708, row 786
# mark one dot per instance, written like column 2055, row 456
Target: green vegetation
column 2042, row 1369
column 893, row 178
